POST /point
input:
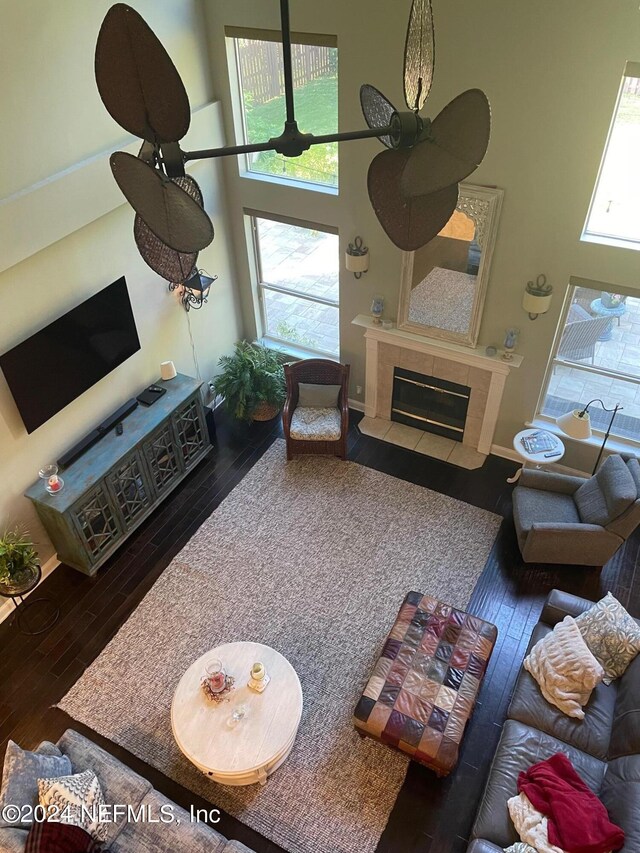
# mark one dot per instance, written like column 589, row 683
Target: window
column 297, row 274
column 597, row 356
column 613, row 215
column 262, row 112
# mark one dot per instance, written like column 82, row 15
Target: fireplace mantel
column 486, row 375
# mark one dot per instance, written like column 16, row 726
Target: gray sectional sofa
column 604, row 748
column 121, row 785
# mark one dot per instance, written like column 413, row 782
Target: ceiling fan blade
column 460, row 136
column 137, row 81
column 170, row 213
column 410, row 223
column 172, row 265
column 377, row 110
column 419, row 55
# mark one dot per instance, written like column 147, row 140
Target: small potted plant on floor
column 252, row 382
column 19, row 563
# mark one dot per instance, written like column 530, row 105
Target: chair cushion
column 634, row 469
column 611, row 634
column 520, row 747
column 533, row 506
column 591, row 735
column 564, row 668
column 318, row 396
column 607, row 494
column 313, row 424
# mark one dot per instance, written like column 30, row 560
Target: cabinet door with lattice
column 96, row 522
column 191, row 431
column 128, row 483
column 163, row 458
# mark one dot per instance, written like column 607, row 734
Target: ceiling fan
column 413, row 184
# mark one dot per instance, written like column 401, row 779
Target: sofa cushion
column 591, row 735
column 564, row 668
column 607, row 494
column 318, row 396
column 625, row 732
column 119, row 784
column 611, row 634
column 177, row 833
column 311, row 424
column 236, row 847
column 20, row 775
column 519, row 748
column 621, row 795
column 13, row 839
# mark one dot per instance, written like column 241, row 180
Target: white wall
column 551, row 70
column 53, row 120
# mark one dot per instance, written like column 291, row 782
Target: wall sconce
column 195, row 290
column 537, row 297
column 357, row 258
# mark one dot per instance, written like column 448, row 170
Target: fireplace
column 429, row 403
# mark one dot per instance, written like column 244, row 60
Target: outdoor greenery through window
column 261, row 82
column 598, row 357
column 298, row 290
column 614, row 208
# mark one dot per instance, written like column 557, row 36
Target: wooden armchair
column 324, row 430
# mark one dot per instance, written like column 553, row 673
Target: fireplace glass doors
column 430, row 404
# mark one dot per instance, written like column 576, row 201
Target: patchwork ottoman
column 424, row 686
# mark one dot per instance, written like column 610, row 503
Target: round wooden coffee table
column 249, row 750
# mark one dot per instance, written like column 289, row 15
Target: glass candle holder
column 377, row 307
column 52, row 482
column 238, row 714
column 216, row 675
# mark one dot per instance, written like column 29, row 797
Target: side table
column 537, row 460
column 602, row 311
column 24, row 610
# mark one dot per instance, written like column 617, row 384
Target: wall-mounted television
column 50, row 369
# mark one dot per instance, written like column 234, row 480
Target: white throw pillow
column 69, row 795
column 564, row 668
column 611, row 635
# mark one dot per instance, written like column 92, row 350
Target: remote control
column 119, row 428
column 553, row 453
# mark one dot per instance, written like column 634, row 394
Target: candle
column 257, row 671
column 54, row 483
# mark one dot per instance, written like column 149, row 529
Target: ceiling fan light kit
column 413, row 183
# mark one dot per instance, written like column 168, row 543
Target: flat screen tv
column 50, row 369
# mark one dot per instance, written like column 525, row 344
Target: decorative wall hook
column 357, row 257
column 537, row 297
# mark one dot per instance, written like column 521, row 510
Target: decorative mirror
column 444, row 283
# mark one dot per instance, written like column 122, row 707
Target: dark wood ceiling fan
column 413, row 184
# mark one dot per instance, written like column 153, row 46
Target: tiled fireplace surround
column 485, row 375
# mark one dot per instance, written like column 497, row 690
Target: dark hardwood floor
column 431, row 815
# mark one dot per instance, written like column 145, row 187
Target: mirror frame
column 483, row 206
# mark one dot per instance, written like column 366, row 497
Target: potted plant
column 252, row 382
column 19, row 563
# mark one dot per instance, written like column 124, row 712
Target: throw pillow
column 564, row 668
column 78, row 798
column 520, row 847
column 318, row 396
column 54, row 837
column 607, row 494
column 612, row 636
column 20, row 775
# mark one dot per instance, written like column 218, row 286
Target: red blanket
column 577, row 820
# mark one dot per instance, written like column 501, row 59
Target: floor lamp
column 577, row 424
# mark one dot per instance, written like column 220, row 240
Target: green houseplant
column 252, row 382
column 19, row 561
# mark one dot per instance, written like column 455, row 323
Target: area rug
column 312, row 557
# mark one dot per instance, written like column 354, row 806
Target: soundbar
column 95, row 435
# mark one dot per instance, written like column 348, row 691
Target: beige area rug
column 314, row 558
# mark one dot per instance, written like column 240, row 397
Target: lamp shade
column 576, row 424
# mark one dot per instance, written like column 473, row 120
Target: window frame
column 574, row 283
column 237, row 103
column 260, row 285
column 631, row 71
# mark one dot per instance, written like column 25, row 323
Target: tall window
column 298, row 290
column 260, row 96
column 613, row 215
column 597, row 356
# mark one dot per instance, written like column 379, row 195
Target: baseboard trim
column 8, row 607
column 356, row 405
column 510, row 453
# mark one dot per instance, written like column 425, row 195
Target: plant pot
column 21, row 582
column 265, row 412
